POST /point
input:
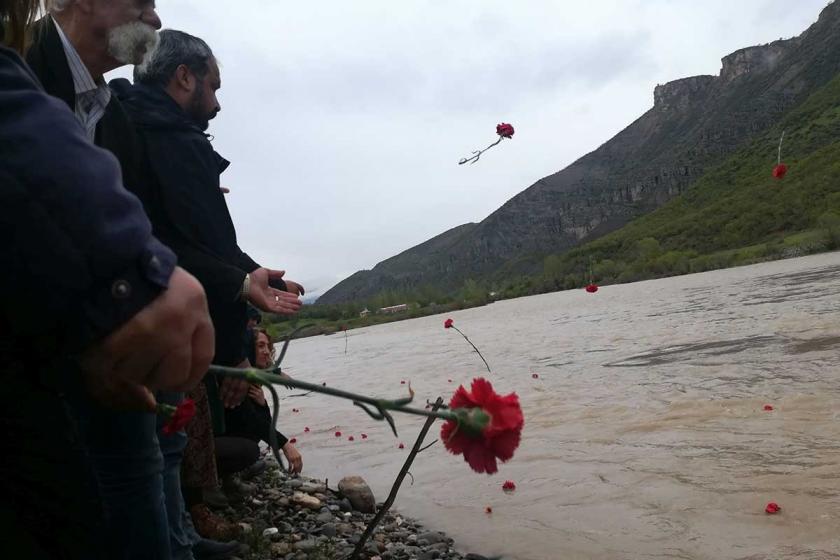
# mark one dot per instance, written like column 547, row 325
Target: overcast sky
column 344, row 120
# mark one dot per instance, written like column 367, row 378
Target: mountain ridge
column 695, row 123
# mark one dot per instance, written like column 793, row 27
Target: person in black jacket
column 83, row 282
column 171, row 104
column 72, row 48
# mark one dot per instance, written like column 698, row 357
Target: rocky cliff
column 694, row 124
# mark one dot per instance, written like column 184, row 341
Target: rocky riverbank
column 306, row 519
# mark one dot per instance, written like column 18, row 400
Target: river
column 645, row 433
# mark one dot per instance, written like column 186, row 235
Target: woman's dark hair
column 251, row 344
column 15, row 18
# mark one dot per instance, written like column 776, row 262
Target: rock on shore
column 303, row 519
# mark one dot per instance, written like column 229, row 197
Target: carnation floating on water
column 338, row 434
column 509, row 486
column 772, row 508
column 448, row 324
column 591, row 288
column 768, row 407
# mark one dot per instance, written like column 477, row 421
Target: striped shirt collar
column 92, row 97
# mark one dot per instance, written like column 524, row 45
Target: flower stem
column 267, row 377
column 779, row 160
column 474, row 348
column 477, row 154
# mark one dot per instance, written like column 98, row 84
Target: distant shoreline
column 327, row 327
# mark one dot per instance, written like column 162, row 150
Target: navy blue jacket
column 78, row 256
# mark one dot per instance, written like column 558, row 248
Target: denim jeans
column 127, row 459
column 182, row 535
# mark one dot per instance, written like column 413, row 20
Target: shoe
column 207, row 549
column 215, row 498
column 234, row 490
column 211, row 526
column 257, row 468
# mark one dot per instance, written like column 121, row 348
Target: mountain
column 736, row 213
column 695, row 125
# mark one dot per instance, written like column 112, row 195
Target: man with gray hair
column 73, row 46
column 171, row 105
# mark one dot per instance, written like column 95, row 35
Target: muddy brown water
column 645, row 433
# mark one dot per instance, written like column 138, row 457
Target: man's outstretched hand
column 272, row 300
column 167, row 345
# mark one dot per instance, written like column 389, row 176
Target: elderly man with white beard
column 73, row 46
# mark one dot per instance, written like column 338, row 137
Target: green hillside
column 735, row 214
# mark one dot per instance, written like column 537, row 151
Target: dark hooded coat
column 180, row 172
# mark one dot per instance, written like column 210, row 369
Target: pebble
column 324, row 517
column 305, row 500
column 329, row 530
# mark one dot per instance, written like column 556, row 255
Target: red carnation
column 768, row 407
column 488, row 509
column 534, row 376
column 449, row 381
column 401, row 446
column 448, row 324
column 490, row 427
column 508, row 486
column 180, row 417
column 351, row 438
column 338, row 434
column 402, row 382
column 772, row 508
column 293, row 440
column 591, row 288
column 780, row 170
column 364, row 436
column 505, row 130
column 306, row 429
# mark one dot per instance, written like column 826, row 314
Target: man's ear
column 184, row 79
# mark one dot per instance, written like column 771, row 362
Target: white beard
column 132, row 43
